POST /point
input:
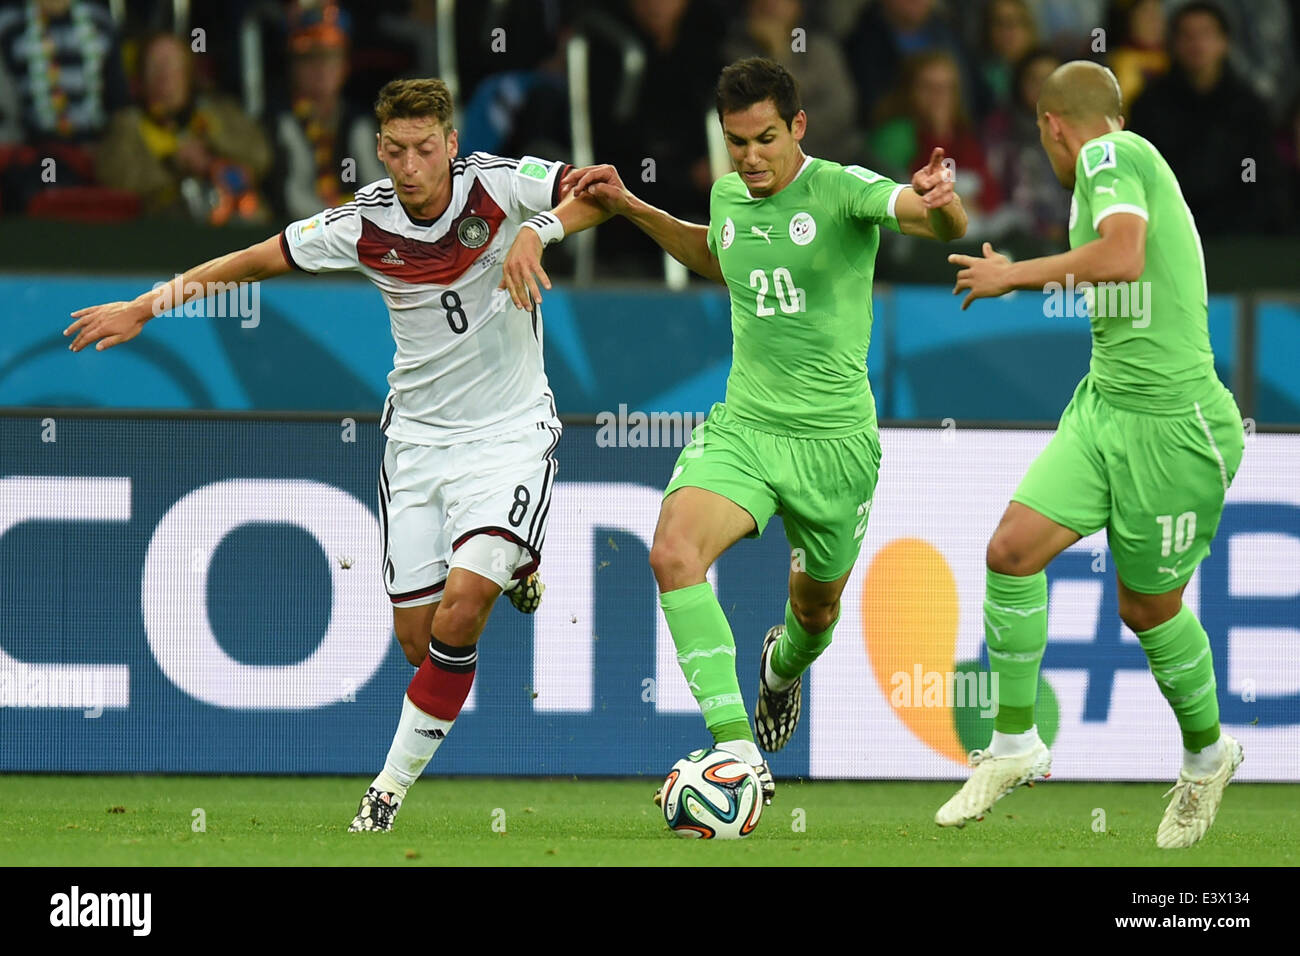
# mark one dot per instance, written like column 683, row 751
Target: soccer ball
column 711, row 793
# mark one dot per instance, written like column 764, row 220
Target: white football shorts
column 434, row 498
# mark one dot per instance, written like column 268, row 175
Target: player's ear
column 453, row 143
column 1054, row 124
column 799, row 125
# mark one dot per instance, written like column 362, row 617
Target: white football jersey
column 468, row 363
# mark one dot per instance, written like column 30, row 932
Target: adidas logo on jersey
column 392, row 258
column 431, row 732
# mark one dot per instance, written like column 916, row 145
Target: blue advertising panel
column 205, row 596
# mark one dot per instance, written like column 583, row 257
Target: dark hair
column 752, row 80
column 414, row 99
column 1200, row 6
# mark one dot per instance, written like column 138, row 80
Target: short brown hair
column 414, row 99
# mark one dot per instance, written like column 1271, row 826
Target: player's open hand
column 523, row 270
column 599, row 183
column 110, row 324
column 982, row 278
column 934, row 182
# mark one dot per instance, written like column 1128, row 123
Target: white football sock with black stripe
column 429, row 710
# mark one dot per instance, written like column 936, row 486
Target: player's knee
column 675, row 563
column 1142, row 614
column 1005, row 556
column 460, row 620
column 814, row 618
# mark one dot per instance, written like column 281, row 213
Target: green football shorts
column 821, row 487
column 1154, row 482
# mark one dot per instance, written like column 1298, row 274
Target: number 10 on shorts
column 1176, row 534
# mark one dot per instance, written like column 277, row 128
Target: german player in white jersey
column 454, row 245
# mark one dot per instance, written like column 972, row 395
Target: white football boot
column 1196, row 801
column 992, row 779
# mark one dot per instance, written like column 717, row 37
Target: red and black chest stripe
column 435, row 263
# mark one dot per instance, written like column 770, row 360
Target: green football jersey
column 799, row 266
column 1150, row 338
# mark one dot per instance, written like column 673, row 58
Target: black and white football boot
column 766, row 779
column 776, row 714
column 526, row 595
column 376, row 812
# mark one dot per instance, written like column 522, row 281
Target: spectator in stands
column 324, row 147
column 1135, row 44
column 1289, row 149
column 660, row 140
column 887, row 32
column 925, row 111
column 182, row 150
column 1263, row 47
column 521, row 107
column 818, row 66
column 1067, row 26
column 64, row 59
column 1009, row 34
column 1016, row 157
column 62, row 67
column 1213, row 129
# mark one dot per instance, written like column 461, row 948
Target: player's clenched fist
column 600, row 183
column 109, row 324
column 934, row 182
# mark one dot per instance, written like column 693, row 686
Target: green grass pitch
column 266, row 821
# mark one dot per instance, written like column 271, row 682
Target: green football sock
column 706, row 652
column 797, row 649
column 1179, row 654
column 1015, row 630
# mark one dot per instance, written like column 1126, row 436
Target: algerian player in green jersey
column 1146, row 449
column 794, row 239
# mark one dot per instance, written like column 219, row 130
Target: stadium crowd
column 115, row 110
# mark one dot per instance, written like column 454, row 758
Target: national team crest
column 473, row 232
column 728, row 233
column 803, row 229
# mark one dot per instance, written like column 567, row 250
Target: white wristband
column 547, row 226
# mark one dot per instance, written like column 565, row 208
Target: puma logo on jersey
column 1172, row 572
column 392, row 258
column 1107, row 189
column 995, row 630
column 765, row 233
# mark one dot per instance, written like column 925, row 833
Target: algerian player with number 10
column 794, row 239
column 1146, row 449
column 468, row 469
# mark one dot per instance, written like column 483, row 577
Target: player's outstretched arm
column 931, row 209
column 687, row 242
column 116, row 322
column 522, row 271
column 1118, row 255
